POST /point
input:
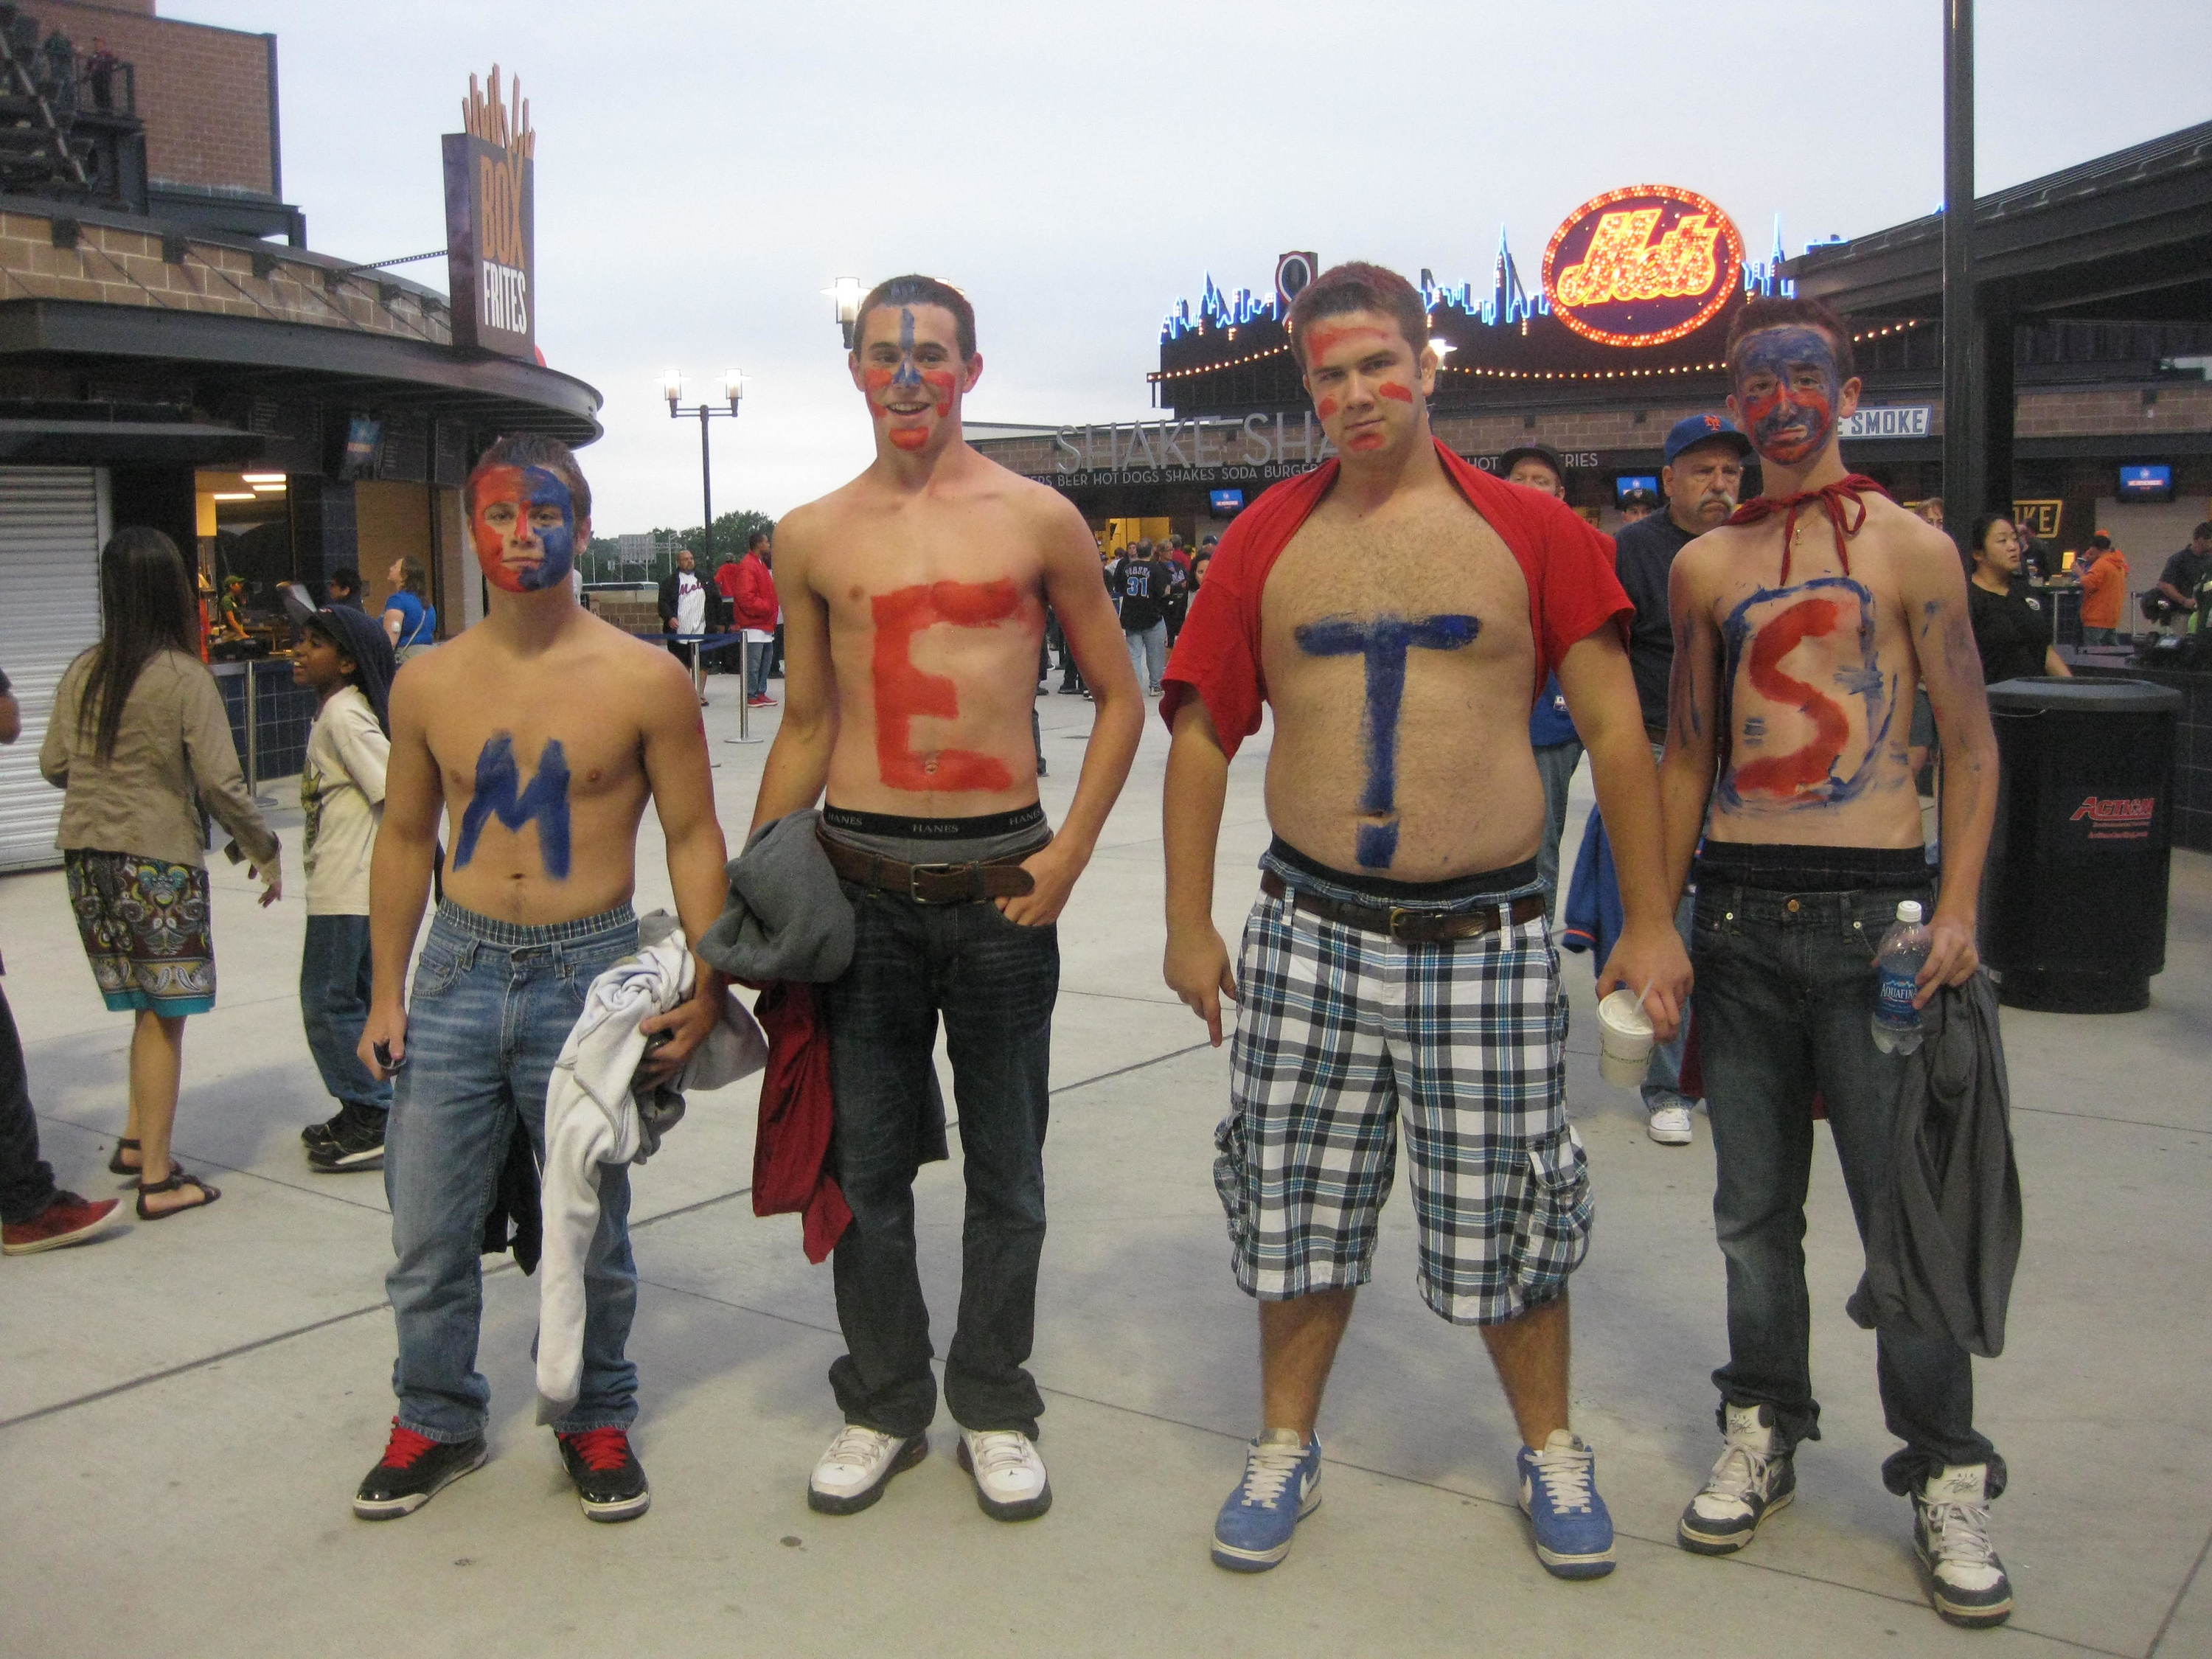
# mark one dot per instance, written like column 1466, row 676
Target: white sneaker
column 1966, row 1582
column 1010, row 1478
column 1670, row 1126
column 860, row 1463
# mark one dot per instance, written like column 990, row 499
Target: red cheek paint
column 1366, row 440
column 1794, row 773
column 1327, row 407
column 905, row 694
column 940, row 390
column 1391, row 389
column 909, row 437
column 876, row 379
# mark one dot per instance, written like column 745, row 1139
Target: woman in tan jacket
column 140, row 740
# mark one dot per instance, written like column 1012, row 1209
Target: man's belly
column 1887, row 815
column 543, row 870
column 1442, row 819
column 927, row 768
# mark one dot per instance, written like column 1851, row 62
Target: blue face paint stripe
column 1384, row 645
column 908, row 374
column 499, row 794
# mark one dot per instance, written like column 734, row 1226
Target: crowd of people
column 899, row 875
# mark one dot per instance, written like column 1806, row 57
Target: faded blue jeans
column 1784, row 995
column 334, row 993
column 493, row 1002
column 994, row 983
column 1148, row 653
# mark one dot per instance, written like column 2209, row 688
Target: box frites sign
column 491, row 258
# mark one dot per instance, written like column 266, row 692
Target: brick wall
column 119, row 267
column 202, row 91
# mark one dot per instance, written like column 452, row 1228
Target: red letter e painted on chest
column 904, row 694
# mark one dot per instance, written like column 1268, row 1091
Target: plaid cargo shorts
column 1338, row 1030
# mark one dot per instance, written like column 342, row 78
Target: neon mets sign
column 1642, row 265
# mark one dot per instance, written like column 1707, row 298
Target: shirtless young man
column 1802, row 628
column 540, row 735
column 914, row 608
column 1397, row 957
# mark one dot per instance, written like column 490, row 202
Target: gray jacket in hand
column 1943, row 1237
column 788, row 918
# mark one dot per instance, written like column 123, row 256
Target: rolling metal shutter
column 50, row 519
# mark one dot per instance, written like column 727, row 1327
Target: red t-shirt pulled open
column 1568, row 566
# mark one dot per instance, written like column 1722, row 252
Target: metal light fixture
column 1441, row 346
column 847, row 292
column 733, row 387
column 671, row 387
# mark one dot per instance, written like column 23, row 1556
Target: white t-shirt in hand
column 690, row 604
column 342, row 791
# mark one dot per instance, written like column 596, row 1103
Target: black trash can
column 2074, row 899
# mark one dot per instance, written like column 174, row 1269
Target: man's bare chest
column 555, row 742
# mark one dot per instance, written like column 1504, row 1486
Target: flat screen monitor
column 364, row 437
column 1226, row 502
column 1627, row 483
column 2147, row 483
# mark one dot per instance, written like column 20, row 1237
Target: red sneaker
column 68, row 1220
column 762, row 701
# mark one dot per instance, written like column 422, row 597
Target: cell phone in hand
column 383, row 1052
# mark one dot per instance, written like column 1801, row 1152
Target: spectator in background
column 140, row 740
column 2186, row 573
column 2011, row 623
column 1929, row 511
column 754, row 609
column 1637, row 505
column 410, row 620
column 1552, row 732
column 344, row 587
column 2104, row 590
column 684, row 610
column 1139, row 583
column 1177, row 605
column 230, row 609
column 1702, row 479
column 34, row 1214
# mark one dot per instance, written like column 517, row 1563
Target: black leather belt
column 1407, row 926
column 930, row 884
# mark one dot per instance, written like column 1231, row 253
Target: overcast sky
column 705, row 167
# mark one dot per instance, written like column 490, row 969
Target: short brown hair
column 1779, row 312
column 533, row 449
column 917, row 290
column 1358, row 286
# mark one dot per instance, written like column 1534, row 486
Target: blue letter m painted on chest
column 1385, row 644
column 498, row 795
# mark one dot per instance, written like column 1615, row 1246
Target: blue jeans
column 1555, row 765
column 756, row 653
column 334, row 993
column 1785, row 991
column 994, row 982
column 26, row 1181
column 493, row 1002
column 1148, row 651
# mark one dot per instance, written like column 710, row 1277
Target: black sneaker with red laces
column 412, row 1471
column 608, row 1478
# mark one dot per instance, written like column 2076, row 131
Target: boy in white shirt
column 346, row 659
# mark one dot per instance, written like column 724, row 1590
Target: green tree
column 731, row 530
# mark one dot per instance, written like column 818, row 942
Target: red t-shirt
column 1573, row 590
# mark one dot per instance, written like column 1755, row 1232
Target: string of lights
column 1857, row 339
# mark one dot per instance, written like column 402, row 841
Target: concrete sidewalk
column 184, row 1410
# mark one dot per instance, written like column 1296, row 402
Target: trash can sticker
column 2114, row 818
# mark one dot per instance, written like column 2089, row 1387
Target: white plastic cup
column 1625, row 1039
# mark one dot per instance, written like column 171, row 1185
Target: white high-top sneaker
column 1753, row 1478
column 1967, row 1583
column 858, row 1464
column 1010, row 1478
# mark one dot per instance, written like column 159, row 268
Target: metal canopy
column 2125, row 237
column 258, row 356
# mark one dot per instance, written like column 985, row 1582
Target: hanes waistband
column 1455, row 889
column 516, row 935
column 891, row 824
column 1781, row 867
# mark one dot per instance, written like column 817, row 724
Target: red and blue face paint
column 897, row 391
column 1788, row 385
column 524, row 524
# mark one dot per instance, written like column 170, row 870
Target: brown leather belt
column 930, row 884
column 1407, row 926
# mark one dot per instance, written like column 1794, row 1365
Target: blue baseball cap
column 1694, row 429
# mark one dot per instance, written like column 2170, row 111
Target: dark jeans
column 27, row 1184
column 334, row 993
column 994, row 982
column 1785, row 991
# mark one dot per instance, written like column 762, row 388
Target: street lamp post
column 734, row 393
column 847, row 293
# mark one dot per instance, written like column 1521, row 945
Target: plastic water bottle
column 1904, row 953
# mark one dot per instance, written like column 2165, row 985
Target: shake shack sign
column 490, row 261
column 1256, row 448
